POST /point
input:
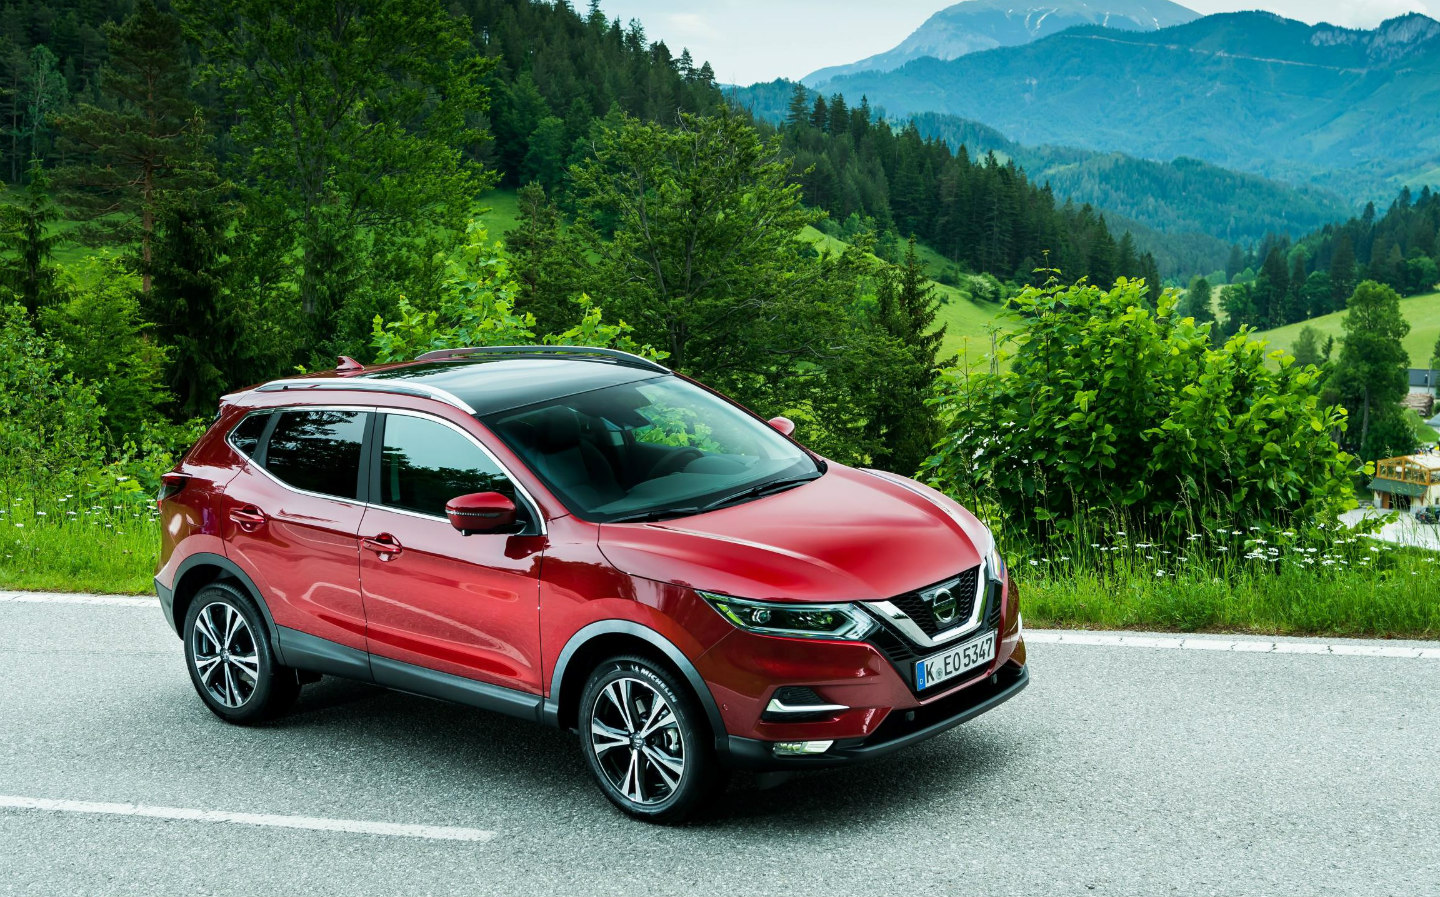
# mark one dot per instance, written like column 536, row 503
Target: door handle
column 385, row 545
column 248, row 517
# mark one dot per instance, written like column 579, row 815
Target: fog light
column 801, row 748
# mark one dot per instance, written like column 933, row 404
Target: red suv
column 583, row 538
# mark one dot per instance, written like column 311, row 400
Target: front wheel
column 646, row 741
column 229, row 658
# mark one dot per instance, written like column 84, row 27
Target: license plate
column 954, row 662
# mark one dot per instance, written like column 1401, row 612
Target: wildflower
column 19, row 526
column 1034, row 563
column 1222, row 548
column 1159, row 572
column 1119, row 532
column 1374, row 550
column 41, row 514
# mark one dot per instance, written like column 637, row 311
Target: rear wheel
column 646, row 741
column 229, row 657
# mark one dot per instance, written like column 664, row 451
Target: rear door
column 463, row 605
column 291, row 518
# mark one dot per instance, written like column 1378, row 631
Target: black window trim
column 261, row 440
column 535, row 524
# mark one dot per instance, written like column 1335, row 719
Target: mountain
column 1177, row 200
column 1251, row 91
column 977, row 25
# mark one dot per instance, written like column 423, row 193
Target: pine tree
column 1342, row 271
column 193, row 304
column 143, row 141
column 545, row 262
column 1149, row 270
column 902, row 427
column 28, row 238
column 799, row 106
column 1197, row 302
column 819, row 114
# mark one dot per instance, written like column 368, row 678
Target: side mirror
column 785, row 425
column 481, row 512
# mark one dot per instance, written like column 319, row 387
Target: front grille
column 922, row 612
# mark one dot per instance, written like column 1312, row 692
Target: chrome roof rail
column 363, row 385
column 628, row 359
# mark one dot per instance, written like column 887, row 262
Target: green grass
column 965, row 320
column 1423, row 313
column 500, row 211
column 77, row 544
column 1356, row 587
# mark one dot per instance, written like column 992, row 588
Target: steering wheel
column 675, row 462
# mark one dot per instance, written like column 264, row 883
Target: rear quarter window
column 246, row 435
column 317, row 451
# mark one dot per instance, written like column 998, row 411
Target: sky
column 760, row 40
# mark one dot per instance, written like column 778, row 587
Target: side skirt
column 307, row 652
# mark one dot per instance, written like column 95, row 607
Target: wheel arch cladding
column 611, row 638
column 203, row 569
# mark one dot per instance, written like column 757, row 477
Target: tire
column 227, row 651
column 673, row 772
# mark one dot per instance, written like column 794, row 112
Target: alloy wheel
column 637, row 740
column 225, row 656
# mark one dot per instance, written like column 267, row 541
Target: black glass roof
column 499, row 384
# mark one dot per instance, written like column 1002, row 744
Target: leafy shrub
column 50, row 421
column 1111, row 407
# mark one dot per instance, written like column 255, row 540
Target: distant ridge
column 976, row 25
column 1349, row 109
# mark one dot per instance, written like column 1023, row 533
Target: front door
column 464, row 605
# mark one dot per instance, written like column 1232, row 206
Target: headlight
column 831, row 621
column 994, row 564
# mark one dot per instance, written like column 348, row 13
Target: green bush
column 1115, row 408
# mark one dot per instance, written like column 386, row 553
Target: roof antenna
column 349, row 365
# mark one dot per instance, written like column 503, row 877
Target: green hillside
column 1423, row 313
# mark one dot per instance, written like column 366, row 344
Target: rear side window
column 246, row 436
column 317, row 451
column 424, row 464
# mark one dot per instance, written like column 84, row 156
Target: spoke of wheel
column 249, row 664
column 233, row 625
column 619, row 695
column 632, row 777
column 206, row 625
column 669, row 768
column 232, row 693
column 205, row 666
column 660, row 717
column 613, row 737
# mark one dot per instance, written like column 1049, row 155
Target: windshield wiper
column 769, row 487
column 656, row 514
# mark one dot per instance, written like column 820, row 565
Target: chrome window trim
column 888, row 612
column 231, row 432
column 359, row 384
column 280, row 409
column 531, row 504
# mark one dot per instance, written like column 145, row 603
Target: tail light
column 170, row 486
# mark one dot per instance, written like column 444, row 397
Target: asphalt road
column 1121, row 770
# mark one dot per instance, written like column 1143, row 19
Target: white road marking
column 311, row 823
column 1212, row 643
column 49, row 598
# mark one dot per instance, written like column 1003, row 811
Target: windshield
column 651, row 449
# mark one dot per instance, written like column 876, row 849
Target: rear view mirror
column 784, row 425
column 481, row 512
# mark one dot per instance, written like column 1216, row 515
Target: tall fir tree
column 1370, row 376
column 903, row 427
column 143, row 140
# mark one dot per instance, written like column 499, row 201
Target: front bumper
column 900, row 730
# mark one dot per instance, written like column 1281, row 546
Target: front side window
column 317, row 451
column 651, row 449
column 424, row 464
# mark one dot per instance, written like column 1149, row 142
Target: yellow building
column 1406, row 482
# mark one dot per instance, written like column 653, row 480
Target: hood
column 850, row 535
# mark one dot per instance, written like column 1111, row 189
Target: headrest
column 556, row 430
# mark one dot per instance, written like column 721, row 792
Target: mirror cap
column 784, row 425
column 481, row 512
